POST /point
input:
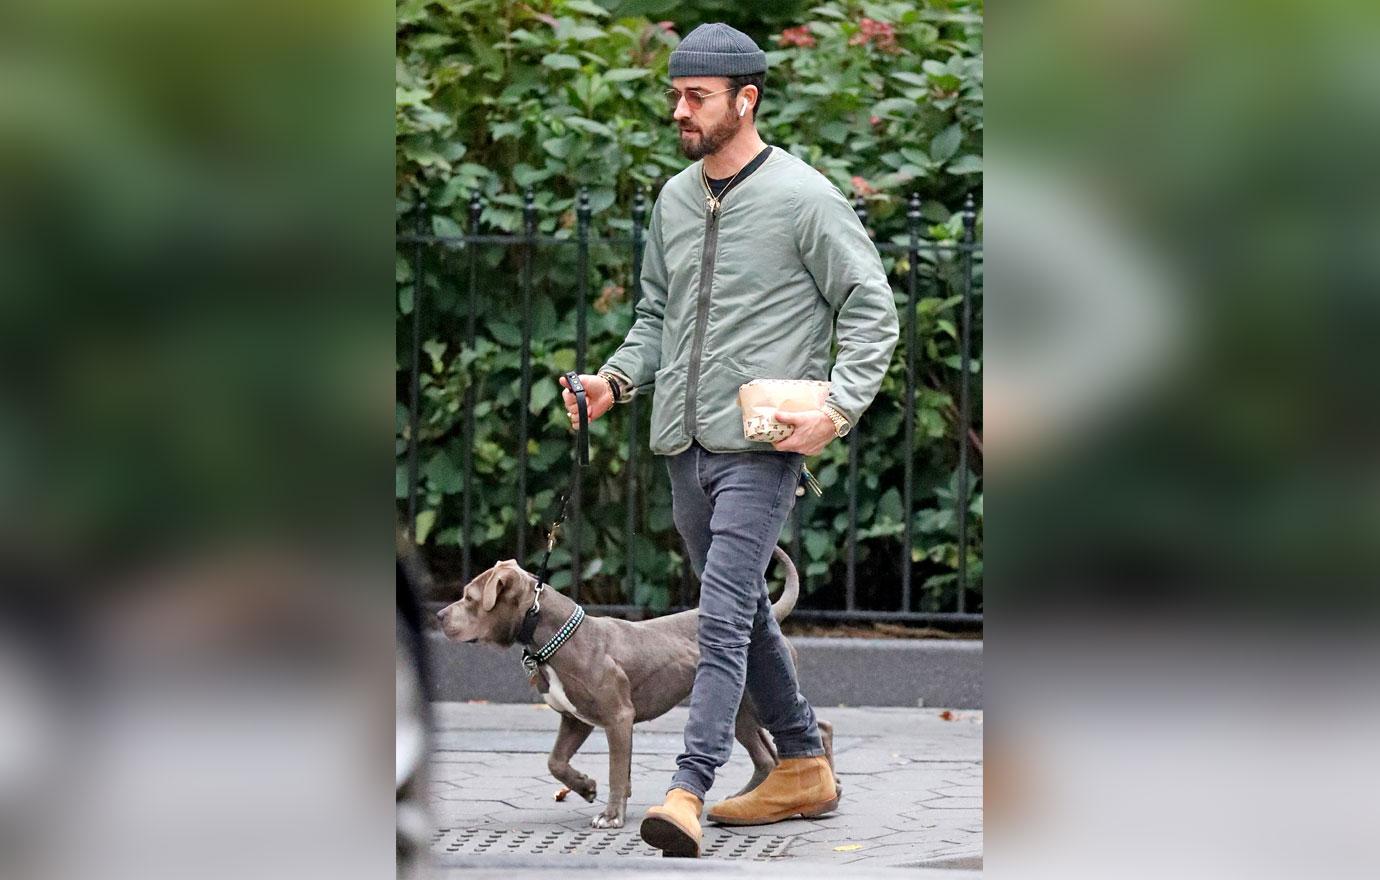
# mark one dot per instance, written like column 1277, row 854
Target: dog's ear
column 492, row 586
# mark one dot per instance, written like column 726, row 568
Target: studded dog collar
column 532, row 659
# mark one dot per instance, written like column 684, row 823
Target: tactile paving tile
column 477, row 841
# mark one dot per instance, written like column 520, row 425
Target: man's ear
column 749, row 94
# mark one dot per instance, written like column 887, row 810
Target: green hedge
column 885, row 99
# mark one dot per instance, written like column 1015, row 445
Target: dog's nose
column 441, row 615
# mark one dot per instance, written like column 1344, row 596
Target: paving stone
column 963, row 803
column 895, row 768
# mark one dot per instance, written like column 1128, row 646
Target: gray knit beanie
column 717, row 50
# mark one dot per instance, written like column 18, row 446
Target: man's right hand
column 598, row 398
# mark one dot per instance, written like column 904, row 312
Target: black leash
column 580, row 402
column 529, row 621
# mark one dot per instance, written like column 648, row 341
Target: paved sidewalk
column 912, row 798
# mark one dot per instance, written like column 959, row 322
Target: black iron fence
column 965, row 610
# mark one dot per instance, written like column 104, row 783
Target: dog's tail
column 786, row 604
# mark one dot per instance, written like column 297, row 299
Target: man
column 750, row 255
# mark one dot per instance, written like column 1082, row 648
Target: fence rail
column 470, row 242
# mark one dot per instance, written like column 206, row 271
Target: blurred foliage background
column 497, row 98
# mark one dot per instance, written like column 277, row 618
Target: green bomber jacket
column 755, row 290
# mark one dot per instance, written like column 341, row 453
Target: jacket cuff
column 623, row 388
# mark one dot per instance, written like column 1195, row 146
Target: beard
column 710, row 139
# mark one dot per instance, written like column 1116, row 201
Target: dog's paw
column 587, row 789
column 605, row 820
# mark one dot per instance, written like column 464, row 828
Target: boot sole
column 809, row 812
column 670, row 838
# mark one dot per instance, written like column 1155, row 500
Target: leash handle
column 582, row 404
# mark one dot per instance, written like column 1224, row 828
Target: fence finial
column 529, row 212
column 476, row 206
column 969, row 217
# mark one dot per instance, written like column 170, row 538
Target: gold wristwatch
column 841, row 426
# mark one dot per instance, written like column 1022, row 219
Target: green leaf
column 623, row 74
column 505, row 334
column 544, row 389
column 955, row 362
column 587, row 8
column 833, row 132
column 410, row 97
column 601, row 200
column 583, row 33
column 435, row 350
column 563, row 359
column 442, row 475
column 445, row 227
column 557, row 61
column 425, row 155
column 935, row 212
column 966, row 164
column 558, row 147
column 914, row 79
column 425, row 520
column 589, row 125
column 889, row 506
column 894, row 107
column 945, row 144
column 915, row 156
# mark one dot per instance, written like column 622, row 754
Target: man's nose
column 682, row 111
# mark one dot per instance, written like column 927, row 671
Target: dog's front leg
column 572, row 735
column 619, row 732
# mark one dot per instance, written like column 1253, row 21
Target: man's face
column 705, row 130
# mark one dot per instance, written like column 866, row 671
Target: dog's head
column 491, row 606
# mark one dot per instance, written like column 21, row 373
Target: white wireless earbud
column 742, row 108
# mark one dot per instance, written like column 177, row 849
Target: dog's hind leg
column 758, row 744
column 572, row 735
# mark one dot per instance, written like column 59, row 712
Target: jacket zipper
column 711, row 243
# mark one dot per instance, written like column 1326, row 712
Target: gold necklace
column 710, row 202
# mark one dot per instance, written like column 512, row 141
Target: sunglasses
column 694, row 98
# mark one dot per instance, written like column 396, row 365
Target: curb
column 937, row 673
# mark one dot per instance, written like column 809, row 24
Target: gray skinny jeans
column 729, row 508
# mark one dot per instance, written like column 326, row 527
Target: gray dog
column 611, row 673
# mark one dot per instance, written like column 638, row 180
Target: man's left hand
column 813, row 431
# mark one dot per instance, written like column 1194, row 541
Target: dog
column 610, row 673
